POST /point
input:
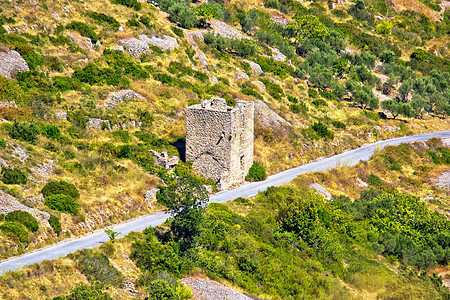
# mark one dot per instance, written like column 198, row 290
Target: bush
column 2, row 143
column 25, row 131
column 101, row 18
column 256, row 172
column 84, row 30
column 97, row 268
column 375, row 180
column 51, row 131
column 60, row 187
column 273, row 89
column 250, row 92
column 86, row 292
column 13, row 176
column 63, row 203
column 183, row 15
column 177, row 31
column 55, row 224
column 25, row 218
column 391, row 163
column 338, row 124
column 322, row 130
column 129, row 3
column 16, row 231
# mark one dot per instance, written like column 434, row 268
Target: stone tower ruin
column 219, row 140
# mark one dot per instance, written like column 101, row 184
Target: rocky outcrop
column 225, row 30
column 277, row 55
column 321, row 190
column 164, row 42
column 114, row 99
column 163, row 160
column 98, row 124
column 261, row 87
column 256, row 68
column 267, row 118
column 206, row 289
column 443, row 181
column 82, row 41
column 150, row 196
column 135, row 47
column 11, row 63
column 9, row 203
column 239, row 75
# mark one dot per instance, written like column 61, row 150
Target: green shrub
column 256, row 172
column 391, row 163
column 25, row 218
column 60, row 187
column 129, row 3
column 25, row 131
column 15, row 231
column 85, row 292
column 277, row 68
column 97, row 268
column 13, row 176
column 2, row 217
column 443, row 158
column 273, row 89
column 51, row 131
column 55, row 224
column 84, row 30
column 338, row 124
column 163, row 289
column 319, row 102
column 133, row 23
column 63, row 203
column 2, row 143
column 375, row 180
column 322, row 130
column 123, row 135
column 103, row 19
column 292, row 99
column 183, row 15
column 178, row 31
column 66, row 83
column 240, row 47
column 250, row 92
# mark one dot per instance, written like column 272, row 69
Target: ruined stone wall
column 219, row 140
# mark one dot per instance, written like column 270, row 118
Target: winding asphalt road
column 96, row 238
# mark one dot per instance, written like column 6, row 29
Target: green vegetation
column 85, row 292
column 16, row 231
column 322, row 130
column 13, row 176
column 55, row 224
column 60, row 187
column 256, row 172
column 25, row 218
column 24, row 131
column 129, row 3
column 240, row 47
column 63, row 203
column 103, row 19
column 97, row 268
column 84, row 30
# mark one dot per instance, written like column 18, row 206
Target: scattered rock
column 9, row 203
column 207, row 289
column 114, row 99
column 163, row 160
column 150, row 196
column 118, row 48
column 261, row 87
column 267, row 118
column 11, row 63
column 98, row 124
column 225, row 30
column 208, row 188
column 135, row 47
column 280, row 19
column 239, row 75
column 20, row 153
column 321, row 190
column 361, row 183
column 256, row 68
column 82, row 41
column 277, row 55
column 10, row 104
column 391, row 128
column 420, row 145
column 163, row 42
column 443, row 181
column 44, row 170
column 61, row 115
column 3, row 163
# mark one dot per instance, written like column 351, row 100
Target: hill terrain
column 88, row 89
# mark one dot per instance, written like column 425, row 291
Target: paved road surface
column 248, row 190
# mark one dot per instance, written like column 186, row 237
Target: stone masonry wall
column 219, row 140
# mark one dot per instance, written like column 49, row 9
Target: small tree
column 308, row 26
column 27, row 132
column 185, row 198
column 256, row 172
column 112, row 234
column 385, row 27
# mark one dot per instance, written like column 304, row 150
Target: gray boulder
column 11, row 63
